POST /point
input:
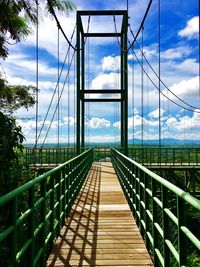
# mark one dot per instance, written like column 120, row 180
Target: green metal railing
column 102, row 154
column 32, row 215
column 149, row 156
column 54, row 156
column 160, row 209
column 165, row 155
column 48, row 156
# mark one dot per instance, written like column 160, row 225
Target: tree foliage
column 16, row 16
column 11, row 138
column 15, row 97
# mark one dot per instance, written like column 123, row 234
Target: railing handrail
column 194, row 202
column 33, row 214
column 159, row 208
column 13, row 194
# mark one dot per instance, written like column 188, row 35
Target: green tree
column 15, row 97
column 11, row 138
column 16, row 17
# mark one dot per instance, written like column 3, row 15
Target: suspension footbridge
column 103, row 206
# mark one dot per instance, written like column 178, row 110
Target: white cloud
column 184, row 123
column 175, row 53
column 155, row 114
column 135, row 111
column 106, row 81
column 96, row 123
column 189, row 65
column 20, row 65
column 71, row 121
column 111, row 63
column 130, row 57
column 150, row 52
column 104, row 138
column 48, row 33
column 191, row 30
column 186, row 87
column 137, row 121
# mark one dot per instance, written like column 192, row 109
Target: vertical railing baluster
column 31, row 226
column 67, row 178
column 43, row 221
column 146, row 218
column 181, row 237
column 154, row 213
column 13, row 240
column 196, row 155
column 52, row 203
column 166, row 227
column 58, row 203
column 63, row 195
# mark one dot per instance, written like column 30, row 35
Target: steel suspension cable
column 142, row 81
column 133, row 92
column 58, row 100
column 183, row 101
column 69, row 42
column 68, row 104
column 147, row 103
column 58, row 44
column 115, row 27
column 88, row 71
column 177, row 104
column 56, row 87
column 199, row 48
column 75, row 122
column 142, row 91
column 58, row 24
column 159, row 87
column 141, row 25
column 37, row 74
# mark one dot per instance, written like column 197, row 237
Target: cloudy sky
column 179, row 57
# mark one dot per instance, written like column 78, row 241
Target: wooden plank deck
column 100, row 230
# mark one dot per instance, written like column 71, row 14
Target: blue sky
column 179, row 71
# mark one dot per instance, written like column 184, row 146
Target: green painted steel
column 165, row 155
column 27, row 235
column 82, row 98
column 78, row 81
column 160, row 209
column 189, row 156
column 82, row 90
column 48, row 156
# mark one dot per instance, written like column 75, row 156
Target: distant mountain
column 164, row 142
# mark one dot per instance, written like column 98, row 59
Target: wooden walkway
column 100, row 230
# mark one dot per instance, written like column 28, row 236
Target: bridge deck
column 100, row 230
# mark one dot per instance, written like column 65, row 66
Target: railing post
column 43, row 215
column 196, row 155
column 14, row 233
column 63, row 195
column 166, row 229
column 147, row 220
column 58, row 209
column 181, row 237
column 154, row 213
column 52, row 230
column 31, row 224
column 78, row 72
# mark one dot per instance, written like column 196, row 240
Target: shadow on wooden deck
column 77, row 242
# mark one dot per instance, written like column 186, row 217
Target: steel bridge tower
column 121, row 93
